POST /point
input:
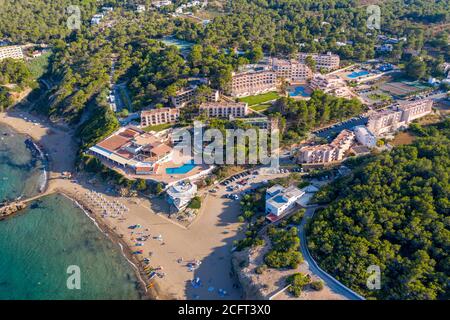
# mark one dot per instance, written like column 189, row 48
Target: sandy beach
column 168, row 245
column 208, row 240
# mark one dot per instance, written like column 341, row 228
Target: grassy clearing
column 379, row 96
column 261, row 98
column 38, row 66
column 261, row 107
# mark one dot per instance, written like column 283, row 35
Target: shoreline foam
column 126, row 252
column 45, row 189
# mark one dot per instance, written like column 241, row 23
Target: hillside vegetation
column 392, row 212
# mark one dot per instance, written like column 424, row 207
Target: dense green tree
column 416, row 68
column 391, row 212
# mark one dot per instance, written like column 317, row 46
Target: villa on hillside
column 279, row 200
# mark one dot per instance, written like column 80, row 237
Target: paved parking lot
column 330, row 132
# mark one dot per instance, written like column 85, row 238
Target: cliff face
column 251, row 289
column 9, row 209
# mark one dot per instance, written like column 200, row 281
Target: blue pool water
column 357, row 74
column 298, row 91
column 185, row 168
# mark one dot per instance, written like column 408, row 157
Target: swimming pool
column 357, row 74
column 185, row 168
column 298, row 91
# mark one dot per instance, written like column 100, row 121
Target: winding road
column 331, row 282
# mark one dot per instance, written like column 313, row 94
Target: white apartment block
column 225, row 109
column 400, row 115
column 364, row 136
column 291, row 70
column 384, row 121
column 331, row 84
column 326, row 82
column 334, row 151
column 326, row 61
column 280, row 199
column 253, row 82
column 412, row 110
column 184, row 96
column 13, row 52
column 159, row 116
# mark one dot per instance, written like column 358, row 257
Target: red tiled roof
column 113, row 143
column 129, row 133
column 272, row 218
column 124, row 153
column 161, row 149
column 143, row 169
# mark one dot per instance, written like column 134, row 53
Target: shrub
column 298, row 282
column 285, row 252
column 261, row 269
column 159, row 188
column 140, row 185
column 196, row 203
column 317, row 285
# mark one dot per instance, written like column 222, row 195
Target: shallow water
column 21, row 174
column 39, row 244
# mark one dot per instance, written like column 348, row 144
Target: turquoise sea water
column 38, row 245
column 21, row 174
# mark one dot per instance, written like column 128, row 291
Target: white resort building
column 291, row 70
column 224, row 109
column 253, row 82
column 185, row 95
column 364, row 136
column 326, row 153
column 159, row 116
column 326, row 61
column 13, row 52
column 331, row 84
column 384, row 121
column 131, row 148
column 279, row 200
column 398, row 116
column 181, row 193
column 412, row 110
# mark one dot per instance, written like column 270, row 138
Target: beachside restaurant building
column 180, row 194
column 134, row 149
